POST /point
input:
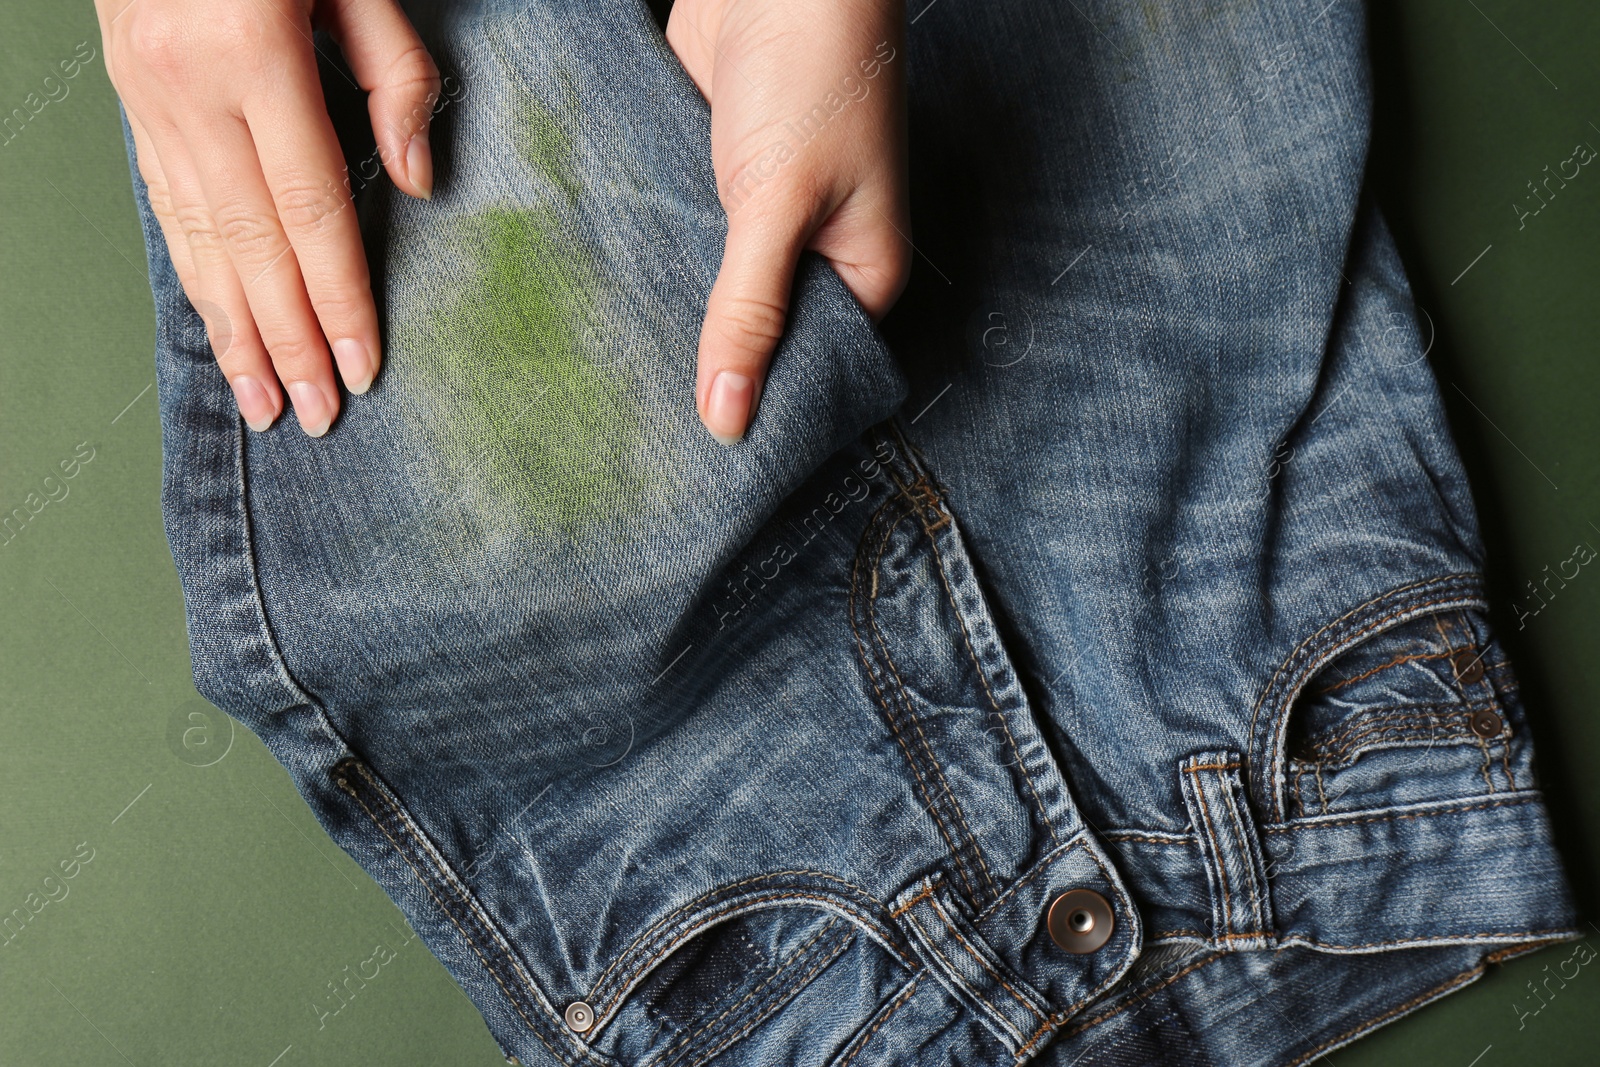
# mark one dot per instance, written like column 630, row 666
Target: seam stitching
column 872, row 676
column 893, row 1007
column 781, row 997
column 1280, row 829
column 709, row 897
column 1364, row 675
column 911, row 710
column 923, row 894
column 1247, row 845
column 1304, row 672
column 732, row 908
column 1213, row 852
column 564, row 1057
column 1433, row 994
column 1330, row 639
column 772, row 992
column 1005, row 726
column 973, row 952
column 1117, row 973
column 795, row 958
column 1076, row 841
column 988, row 1009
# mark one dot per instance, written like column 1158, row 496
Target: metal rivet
column 580, row 1016
column 1486, row 723
column 1080, row 921
column 1468, row 665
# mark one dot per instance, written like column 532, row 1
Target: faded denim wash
column 1131, row 555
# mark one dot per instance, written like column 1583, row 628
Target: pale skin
column 247, row 180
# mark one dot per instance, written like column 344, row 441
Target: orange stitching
column 1422, row 998
column 1505, row 758
column 1378, row 670
column 924, row 894
column 772, row 1007
column 962, row 941
column 1027, row 776
column 1342, row 644
column 1244, row 844
column 983, row 1003
column 1222, row 868
column 916, row 721
column 1050, row 860
column 1483, row 743
column 1072, row 1009
column 1279, row 829
column 563, row 1057
column 734, row 907
column 462, row 893
column 1142, row 996
column 794, row 958
column 1345, row 644
column 1364, row 723
column 1311, row 641
column 1511, row 952
column 893, row 1007
column 1159, row 934
column 894, row 726
column 1396, row 724
column 707, row 897
column 983, row 678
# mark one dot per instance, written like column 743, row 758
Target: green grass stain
column 542, row 141
column 524, row 415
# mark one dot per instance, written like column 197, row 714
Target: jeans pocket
column 1425, row 711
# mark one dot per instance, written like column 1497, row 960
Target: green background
column 214, row 912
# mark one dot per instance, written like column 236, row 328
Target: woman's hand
column 248, row 181
column 808, row 145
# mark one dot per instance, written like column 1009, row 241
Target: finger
column 867, row 242
column 691, row 29
column 208, row 277
column 303, row 165
column 744, row 319
column 402, row 82
column 155, row 180
column 246, row 217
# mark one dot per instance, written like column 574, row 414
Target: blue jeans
column 1090, row 667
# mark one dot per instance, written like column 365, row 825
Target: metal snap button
column 1468, row 665
column 579, row 1016
column 1486, row 723
column 1080, row 921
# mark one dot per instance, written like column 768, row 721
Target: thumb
column 744, row 320
column 402, row 82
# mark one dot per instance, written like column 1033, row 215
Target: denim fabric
column 1162, row 583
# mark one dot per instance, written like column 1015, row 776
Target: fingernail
column 311, row 408
column 728, row 406
column 356, row 365
column 419, row 164
column 254, row 403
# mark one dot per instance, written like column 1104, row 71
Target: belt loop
column 1219, row 810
